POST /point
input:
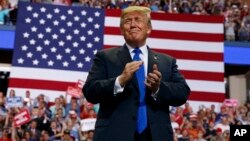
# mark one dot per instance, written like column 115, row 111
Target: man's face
column 135, row 28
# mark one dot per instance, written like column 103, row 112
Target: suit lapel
column 151, row 60
column 124, row 55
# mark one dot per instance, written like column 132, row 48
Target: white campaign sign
column 88, row 124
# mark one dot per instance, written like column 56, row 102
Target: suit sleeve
column 98, row 86
column 175, row 91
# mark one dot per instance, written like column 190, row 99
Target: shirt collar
column 144, row 49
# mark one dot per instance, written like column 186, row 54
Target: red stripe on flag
column 193, row 55
column 188, row 18
column 39, row 84
column 192, row 36
column 174, row 17
column 206, row 96
column 209, row 76
column 113, row 12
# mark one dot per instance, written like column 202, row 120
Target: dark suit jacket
column 116, row 120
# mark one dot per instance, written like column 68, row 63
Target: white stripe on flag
column 47, row 74
column 213, row 47
column 206, row 86
column 204, row 66
column 197, row 27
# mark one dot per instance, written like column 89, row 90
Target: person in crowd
column 210, row 131
column 12, row 93
column 54, row 132
column 132, row 98
column 73, row 105
column 58, row 105
column 223, row 124
column 2, row 98
column 66, row 135
column 35, row 132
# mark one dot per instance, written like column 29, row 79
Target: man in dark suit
column 134, row 101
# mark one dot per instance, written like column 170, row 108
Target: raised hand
column 153, row 79
column 128, row 72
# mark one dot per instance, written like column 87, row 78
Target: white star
column 44, row 56
column 42, row 21
column 26, row 35
column 32, row 41
column 87, row 59
column 46, row 42
column 83, row 24
column 53, row 49
column 39, row 48
column 40, row 36
column 29, row 8
column 82, row 38
column 56, row 23
column 73, row 58
column 75, row 44
column 48, row 30
column 97, row 39
column 28, row 20
column 94, row 51
column 69, row 23
column 54, row 36
column 67, row 50
column 33, row 29
column 81, row 51
column 35, row 62
column 97, row 26
column 24, row 48
column 80, row 65
column 49, row 16
column 76, row 18
column 56, row 10
column 68, row 37
column 65, row 64
column 59, row 57
column 35, row 15
column 84, row 13
column 70, row 12
column 89, row 45
column 43, row 9
column 20, row 61
column 62, row 30
column 97, row 14
column 76, row 31
column 61, row 43
column 90, row 19
column 90, row 32
column 29, row 55
column 63, row 17
column 50, row 63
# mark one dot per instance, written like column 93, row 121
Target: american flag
column 55, row 45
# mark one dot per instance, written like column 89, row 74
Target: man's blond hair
column 141, row 9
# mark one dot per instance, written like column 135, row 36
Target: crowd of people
column 56, row 120
column 236, row 12
column 61, row 120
